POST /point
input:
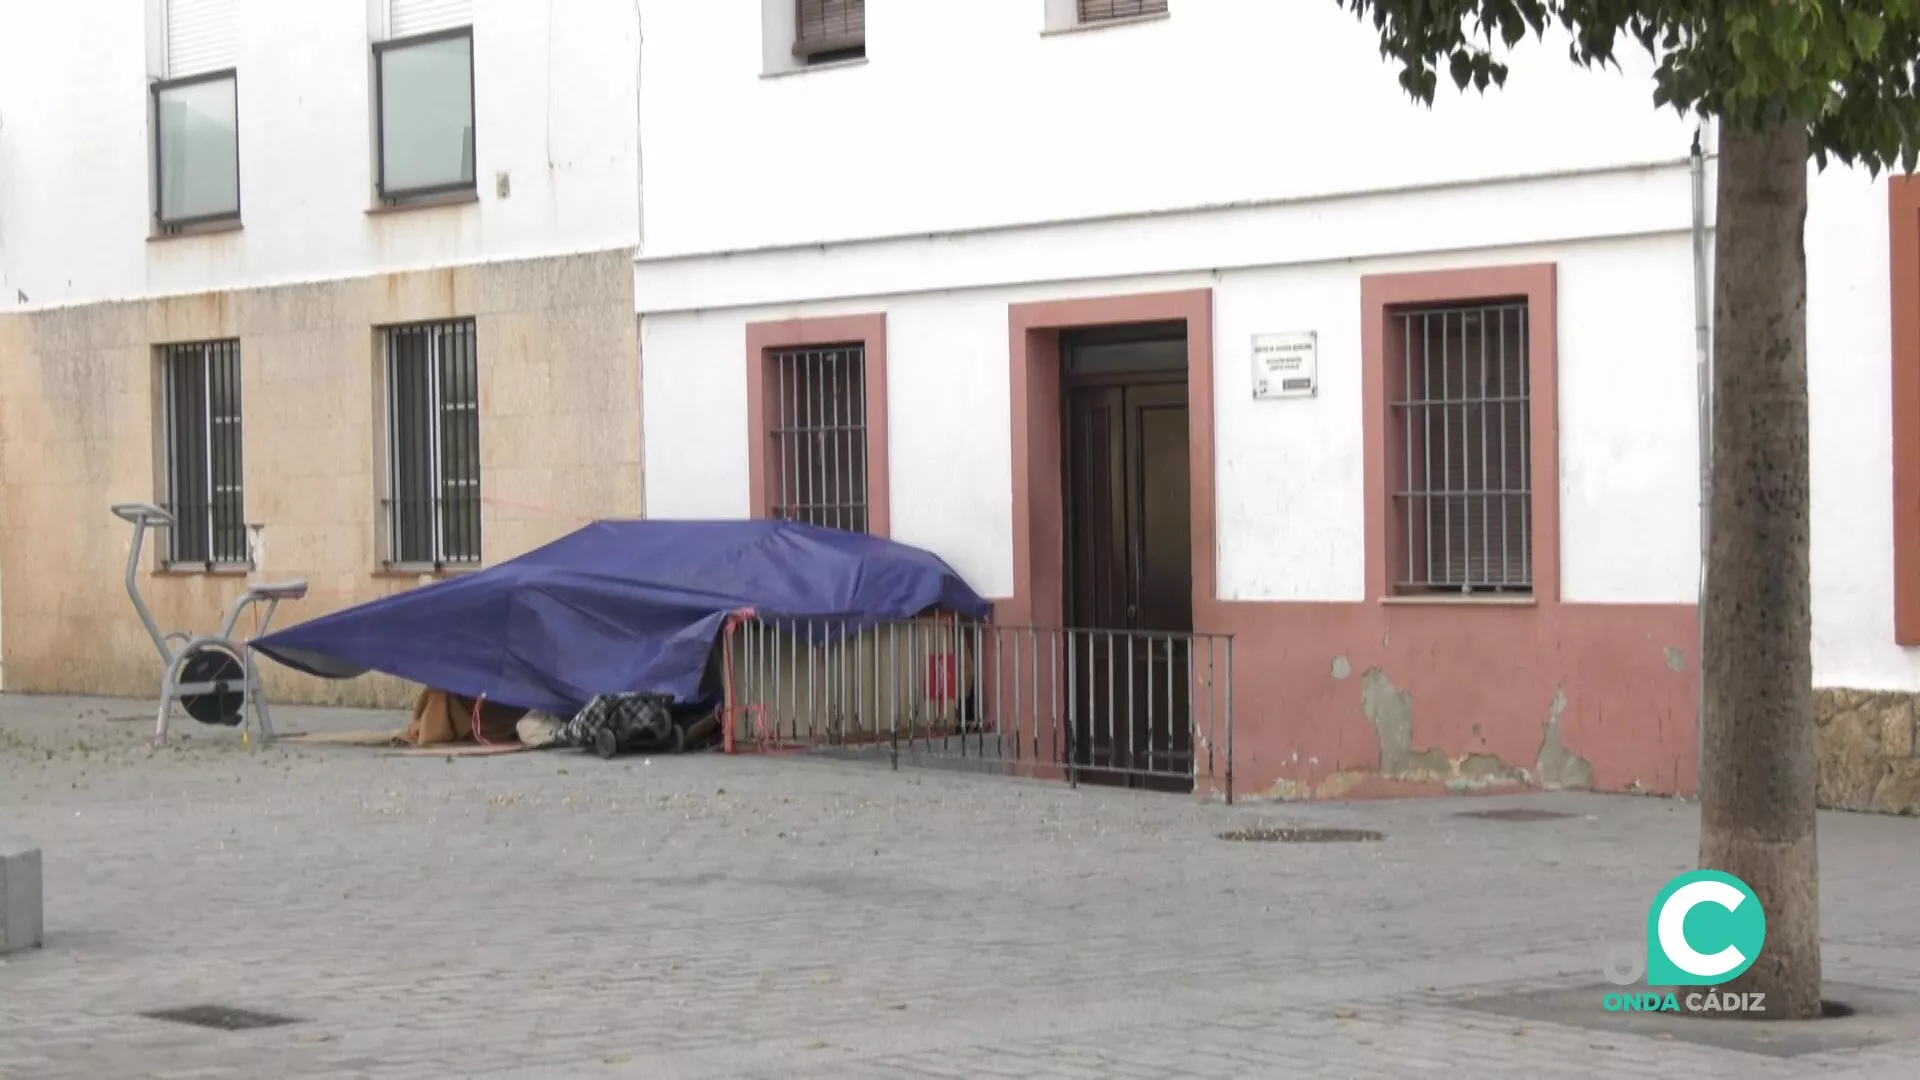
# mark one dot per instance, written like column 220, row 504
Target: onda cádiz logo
column 1705, row 928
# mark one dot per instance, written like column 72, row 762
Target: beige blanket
column 440, row 718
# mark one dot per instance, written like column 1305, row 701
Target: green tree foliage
column 1845, row 68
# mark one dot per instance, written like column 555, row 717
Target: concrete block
column 21, row 923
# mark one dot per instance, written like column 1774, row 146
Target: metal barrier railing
column 1142, row 708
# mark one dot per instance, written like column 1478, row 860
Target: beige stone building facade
column 348, row 288
column 90, row 416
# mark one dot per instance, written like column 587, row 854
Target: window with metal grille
column 821, row 436
column 829, row 30
column 1460, row 442
column 1097, row 11
column 433, row 444
column 201, row 388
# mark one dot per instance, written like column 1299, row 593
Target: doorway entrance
column 1129, row 552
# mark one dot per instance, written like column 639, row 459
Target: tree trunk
column 1757, row 766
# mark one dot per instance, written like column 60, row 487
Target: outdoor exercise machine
column 213, row 676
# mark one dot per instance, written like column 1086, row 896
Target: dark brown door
column 1130, row 583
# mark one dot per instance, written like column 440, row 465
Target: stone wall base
column 1865, row 744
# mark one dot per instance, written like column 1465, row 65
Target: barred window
column 821, row 435
column 1460, row 441
column 829, row 30
column 201, row 386
column 1098, row 11
column 433, row 444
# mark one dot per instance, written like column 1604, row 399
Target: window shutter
column 405, row 18
column 201, row 37
column 824, row 25
column 1093, row 11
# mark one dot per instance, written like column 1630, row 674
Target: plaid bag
column 620, row 724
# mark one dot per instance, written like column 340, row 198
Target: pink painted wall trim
column 1480, row 683
column 1903, row 210
column 763, row 339
column 1039, row 538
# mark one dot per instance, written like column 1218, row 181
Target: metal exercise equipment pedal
column 213, row 676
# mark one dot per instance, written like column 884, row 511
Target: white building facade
column 1402, row 399
column 1154, row 316
column 356, row 272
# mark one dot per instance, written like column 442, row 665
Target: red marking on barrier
column 765, row 741
column 943, row 678
column 478, row 703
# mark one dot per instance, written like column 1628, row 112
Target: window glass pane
column 426, row 115
column 199, row 151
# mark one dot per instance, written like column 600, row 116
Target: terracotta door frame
column 1039, row 512
column 1903, row 198
column 763, row 412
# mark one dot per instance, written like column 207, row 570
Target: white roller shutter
column 406, row 18
column 201, row 36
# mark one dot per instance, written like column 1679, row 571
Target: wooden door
column 1130, row 567
column 1161, row 527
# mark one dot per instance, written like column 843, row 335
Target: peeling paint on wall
column 1390, row 710
column 1341, row 668
column 1557, row 766
column 1676, row 660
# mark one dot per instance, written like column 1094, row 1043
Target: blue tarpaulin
column 619, row 607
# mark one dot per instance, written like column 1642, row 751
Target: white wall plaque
column 1286, row 365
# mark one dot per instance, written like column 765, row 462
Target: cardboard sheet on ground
column 459, row 750
column 621, row 607
column 389, row 742
column 343, row 738
column 442, row 724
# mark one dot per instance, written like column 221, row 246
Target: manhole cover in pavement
column 220, row 1017
column 1268, row 834
column 1516, row 814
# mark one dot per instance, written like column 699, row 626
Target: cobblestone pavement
column 551, row 914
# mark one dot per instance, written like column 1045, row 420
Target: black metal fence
column 433, row 440
column 205, row 478
column 1133, row 708
column 822, row 436
column 1460, row 446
